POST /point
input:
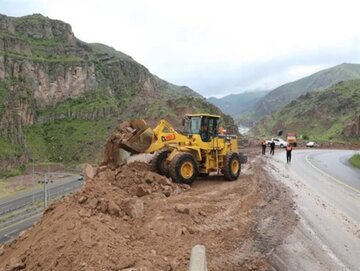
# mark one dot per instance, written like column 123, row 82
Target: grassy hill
column 332, row 114
column 284, row 94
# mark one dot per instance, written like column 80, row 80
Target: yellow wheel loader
column 197, row 151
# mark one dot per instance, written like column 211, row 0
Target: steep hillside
column 284, row 94
column 331, row 114
column 235, row 104
column 60, row 97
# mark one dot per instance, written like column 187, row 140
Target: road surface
column 327, row 194
column 27, row 216
column 10, row 232
column 54, row 189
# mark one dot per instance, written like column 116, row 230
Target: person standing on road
column 288, row 153
column 263, row 145
column 272, row 147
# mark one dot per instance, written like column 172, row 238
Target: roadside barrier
column 198, row 259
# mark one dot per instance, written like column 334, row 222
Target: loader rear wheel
column 158, row 162
column 184, row 168
column 232, row 166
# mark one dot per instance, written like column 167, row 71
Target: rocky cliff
column 60, row 97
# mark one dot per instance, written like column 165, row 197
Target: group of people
column 272, row 149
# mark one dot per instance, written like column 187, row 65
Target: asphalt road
column 336, row 164
column 329, row 170
column 54, row 189
column 326, row 190
column 10, row 231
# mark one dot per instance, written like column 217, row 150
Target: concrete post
column 198, row 259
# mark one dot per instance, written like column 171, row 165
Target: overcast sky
column 215, row 47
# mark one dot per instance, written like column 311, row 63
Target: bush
column 14, row 172
column 305, row 137
column 355, row 160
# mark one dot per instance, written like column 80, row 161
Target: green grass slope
column 323, row 115
column 355, row 160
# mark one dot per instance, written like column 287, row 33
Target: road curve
column 336, row 164
column 330, row 173
column 327, row 194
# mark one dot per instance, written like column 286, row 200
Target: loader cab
column 204, row 125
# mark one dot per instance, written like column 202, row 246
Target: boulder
column 113, row 208
column 141, row 191
column 180, row 208
column 89, row 172
column 82, row 199
column 134, row 208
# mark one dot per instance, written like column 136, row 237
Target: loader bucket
column 140, row 139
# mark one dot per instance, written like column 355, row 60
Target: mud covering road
column 129, row 218
column 327, row 236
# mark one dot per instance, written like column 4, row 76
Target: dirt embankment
column 129, row 218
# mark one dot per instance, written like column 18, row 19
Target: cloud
column 215, row 47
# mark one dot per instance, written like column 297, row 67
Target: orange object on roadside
column 222, row 130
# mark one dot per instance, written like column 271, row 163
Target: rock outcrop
column 47, row 75
column 352, row 129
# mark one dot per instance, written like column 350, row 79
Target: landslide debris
column 126, row 138
column 129, row 218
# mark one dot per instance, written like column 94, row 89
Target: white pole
column 45, row 193
column 33, row 182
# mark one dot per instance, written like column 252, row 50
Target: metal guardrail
column 54, row 192
column 33, row 207
column 20, row 217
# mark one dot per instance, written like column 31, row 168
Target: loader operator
column 203, row 132
column 208, row 129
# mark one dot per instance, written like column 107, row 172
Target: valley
column 106, row 166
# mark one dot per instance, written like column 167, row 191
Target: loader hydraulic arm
column 165, row 134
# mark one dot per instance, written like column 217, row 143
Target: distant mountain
column 331, row 114
column 235, row 104
column 284, row 94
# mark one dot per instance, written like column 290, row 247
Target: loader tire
column 232, row 166
column 158, row 162
column 183, row 168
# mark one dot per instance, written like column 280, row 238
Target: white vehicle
column 312, row 144
column 278, row 142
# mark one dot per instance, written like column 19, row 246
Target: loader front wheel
column 183, row 168
column 158, row 162
column 232, row 166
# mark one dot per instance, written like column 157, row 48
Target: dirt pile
column 130, row 218
column 134, row 136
